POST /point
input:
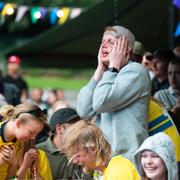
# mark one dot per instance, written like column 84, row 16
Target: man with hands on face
column 118, row 93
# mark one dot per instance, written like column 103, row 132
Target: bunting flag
column 177, row 3
column 43, row 12
column 65, row 14
column 1, row 5
column 20, row 13
column 177, row 32
column 35, row 14
column 75, row 12
column 55, row 15
column 8, row 8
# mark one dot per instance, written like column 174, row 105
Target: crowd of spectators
column 126, row 126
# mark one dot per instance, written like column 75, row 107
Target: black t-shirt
column 12, row 94
column 156, row 85
column 19, row 82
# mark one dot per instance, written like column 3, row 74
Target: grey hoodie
column 162, row 145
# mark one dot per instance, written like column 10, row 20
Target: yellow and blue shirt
column 160, row 121
column 18, row 146
column 43, row 162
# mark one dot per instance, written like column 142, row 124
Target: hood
column 162, row 145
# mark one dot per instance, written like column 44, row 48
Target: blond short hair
column 86, row 135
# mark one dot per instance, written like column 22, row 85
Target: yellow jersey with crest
column 18, row 147
column 161, row 121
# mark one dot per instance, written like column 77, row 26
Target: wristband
column 112, row 69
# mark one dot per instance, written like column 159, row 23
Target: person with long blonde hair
column 85, row 145
column 23, row 124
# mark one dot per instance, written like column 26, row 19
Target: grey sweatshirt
column 120, row 101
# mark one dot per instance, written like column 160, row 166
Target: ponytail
column 6, row 112
column 22, row 111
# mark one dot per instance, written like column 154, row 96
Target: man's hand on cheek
column 119, row 53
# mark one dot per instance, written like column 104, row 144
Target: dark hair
column 175, row 61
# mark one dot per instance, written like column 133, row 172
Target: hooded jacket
column 162, row 145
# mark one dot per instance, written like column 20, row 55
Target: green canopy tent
column 76, row 43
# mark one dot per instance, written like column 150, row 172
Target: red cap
column 14, row 59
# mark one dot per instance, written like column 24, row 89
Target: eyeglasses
column 36, row 112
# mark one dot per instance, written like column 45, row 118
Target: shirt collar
column 171, row 91
column 51, row 147
column 2, row 133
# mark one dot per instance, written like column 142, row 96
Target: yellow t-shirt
column 120, row 168
column 43, row 167
column 19, row 148
column 160, row 121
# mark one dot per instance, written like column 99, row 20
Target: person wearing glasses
column 24, row 123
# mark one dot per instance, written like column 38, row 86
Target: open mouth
column 105, row 53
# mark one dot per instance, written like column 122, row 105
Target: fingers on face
column 6, row 155
column 118, row 43
column 5, row 147
column 5, row 151
column 124, row 44
column 121, row 44
column 12, row 147
column 115, row 46
column 100, row 50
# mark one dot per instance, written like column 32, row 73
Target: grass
column 70, row 79
column 55, row 82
